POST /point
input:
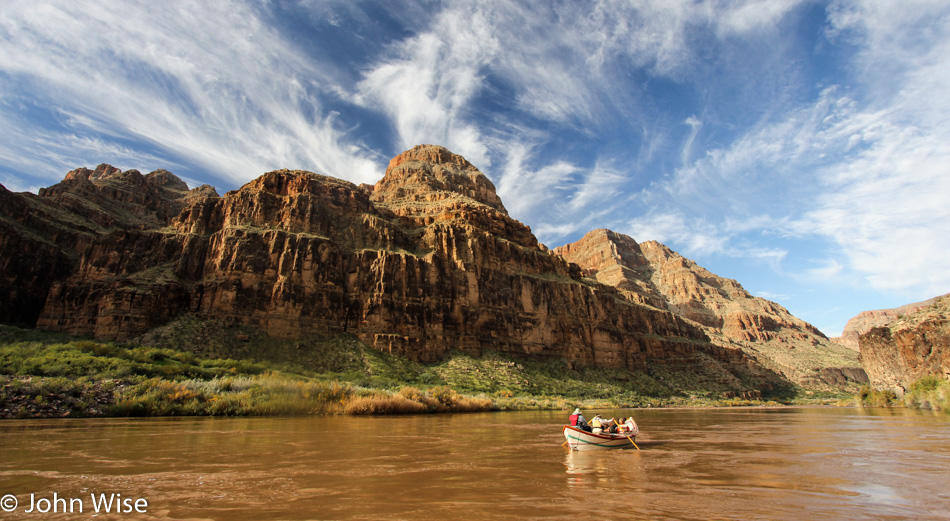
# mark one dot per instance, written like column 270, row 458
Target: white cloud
column 694, row 125
column 775, row 297
column 874, row 186
column 563, row 197
column 425, row 89
column 696, row 237
column 754, row 16
column 867, row 169
column 526, row 191
column 211, row 83
column 828, row 270
column 563, row 64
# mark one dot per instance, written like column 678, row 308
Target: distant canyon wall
column 915, row 345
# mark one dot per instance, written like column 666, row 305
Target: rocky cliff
column 868, row 320
column 425, row 261
column 655, row 276
column 909, row 347
column 41, row 236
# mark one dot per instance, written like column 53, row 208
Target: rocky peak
column 601, row 249
column 115, row 199
column 651, row 273
column 433, row 154
column 290, row 183
column 301, row 196
column 616, row 260
column 85, row 174
column 167, row 180
column 429, row 175
column 106, row 175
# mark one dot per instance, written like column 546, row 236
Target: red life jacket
column 574, row 420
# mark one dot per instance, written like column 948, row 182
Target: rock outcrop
column 42, row 236
column 910, row 347
column 868, row 320
column 426, row 261
column 653, row 275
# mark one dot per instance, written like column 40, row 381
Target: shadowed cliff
column 424, row 262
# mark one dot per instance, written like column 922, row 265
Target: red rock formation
column 868, row 320
column 910, row 347
column 653, row 275
column 427, row 262
column 42, row 237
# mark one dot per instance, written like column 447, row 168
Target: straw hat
column 577, row 411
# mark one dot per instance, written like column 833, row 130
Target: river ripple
column 793, row 463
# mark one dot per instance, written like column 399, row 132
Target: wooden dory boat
column 578, row 439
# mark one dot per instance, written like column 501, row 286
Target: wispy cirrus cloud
column 560, row 63
column 863, row 167
column 547, row 68
column 427, row 84
column 695, row 236
column 212, row 84
column 562, row 196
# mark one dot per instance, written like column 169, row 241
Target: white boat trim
column 578, row 439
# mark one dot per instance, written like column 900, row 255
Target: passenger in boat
column 629, row 425
column 597, row 424
column 578, row 420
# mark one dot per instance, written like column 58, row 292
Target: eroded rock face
column 868, row 320
column 908, row 348
column 429, row 174
column 653, row 275
column 425, row 262
column 42, row 237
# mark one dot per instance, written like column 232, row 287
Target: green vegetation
column 195, row 367
column 929, row 392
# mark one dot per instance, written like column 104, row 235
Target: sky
column 799, row 147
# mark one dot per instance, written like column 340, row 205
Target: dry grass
column 383, row 404
column 410, row 400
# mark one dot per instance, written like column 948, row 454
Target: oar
column 625, row 435
column 631, row 440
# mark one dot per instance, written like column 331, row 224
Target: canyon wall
column 868, row 320
column 909, row 347
column 655, row 276
column 424, row 262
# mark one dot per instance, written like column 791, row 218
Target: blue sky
column 802, row 148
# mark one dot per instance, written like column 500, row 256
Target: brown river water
column 793, row 463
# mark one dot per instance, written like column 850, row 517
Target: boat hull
column 578, row 439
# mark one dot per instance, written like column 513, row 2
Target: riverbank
column 46, row 374
column 929, row 392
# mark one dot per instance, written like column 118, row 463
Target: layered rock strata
column 910, row 347
column 426, row 261
column 42, row 236
column 868, row 320
column 653, row 275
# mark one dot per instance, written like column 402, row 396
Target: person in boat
column 578, row 420
column 628, row 425
column 574, row 416
column 597, row 424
